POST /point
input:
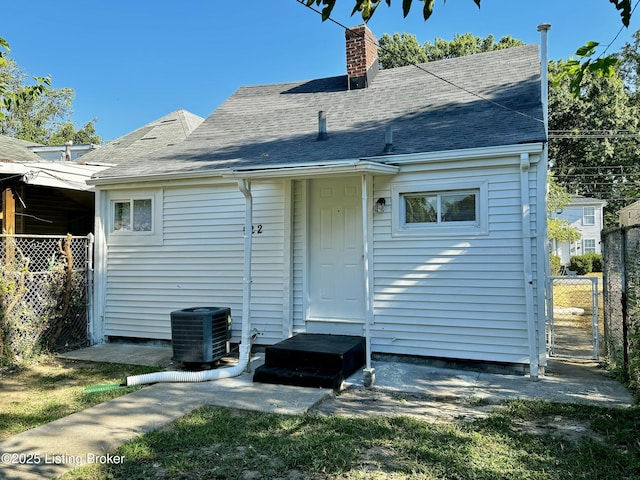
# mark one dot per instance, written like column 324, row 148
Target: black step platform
column 312, row 360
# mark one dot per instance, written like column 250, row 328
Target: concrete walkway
column 88, row 436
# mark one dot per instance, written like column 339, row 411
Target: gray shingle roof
column 164, row 132
column 15, row 150
column 278, row 124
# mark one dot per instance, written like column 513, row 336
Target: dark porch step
column 300, row 377
column 312, row 360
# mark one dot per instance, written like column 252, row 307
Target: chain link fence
column 573, row 326
column 621, row 277
column 45, row 294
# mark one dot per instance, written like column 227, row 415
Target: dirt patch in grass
column 370, row 403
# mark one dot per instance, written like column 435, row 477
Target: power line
column 597, row 167
column 419, row 67
column 593, row 135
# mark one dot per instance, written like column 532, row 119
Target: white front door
column 336, row 263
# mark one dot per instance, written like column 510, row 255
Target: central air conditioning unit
column 200, row 334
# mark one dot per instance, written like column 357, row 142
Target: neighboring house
column 158, row 135
column 43, row 197
column 630, row 215
column 63, row 153
column 396, row 205
column 586, row 215
column 50, row 194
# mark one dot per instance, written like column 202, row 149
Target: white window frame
column 584, row 245
column 440, row 228
column 588, row 218
column 135, row 237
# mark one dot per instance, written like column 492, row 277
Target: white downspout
column 369, row 376
column 542, row 168
column 527, row 259
column 245, row 343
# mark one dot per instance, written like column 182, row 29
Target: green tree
column 593, row 148
column 13, row 94
column 630, row 66
column 35, row 117
column 467, row 44
column 68, row 133
column 559, row 230
column 36, row 112
column 399, row 50
column 403, row 49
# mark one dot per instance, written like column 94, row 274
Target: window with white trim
column 419, row 209
column 588, row 245
column 588, row 215
column 135, row 218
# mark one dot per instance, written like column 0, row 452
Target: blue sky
column 131, row 62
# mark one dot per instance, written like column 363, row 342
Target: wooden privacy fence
column 45, row 288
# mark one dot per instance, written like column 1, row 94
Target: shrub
column 581, row 264
column 587, row 263
column 596, row 262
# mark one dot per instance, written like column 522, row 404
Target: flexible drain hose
column 194, row 377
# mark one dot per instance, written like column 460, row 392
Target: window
column 589, row 215
column 588, row 245
column 133, row 215
column 438, row 208
column 457, row 209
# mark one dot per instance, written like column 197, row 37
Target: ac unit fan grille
column 200, row 334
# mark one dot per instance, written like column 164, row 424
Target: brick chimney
column 362, row 56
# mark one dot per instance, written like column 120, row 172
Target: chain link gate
column 572, row 318
column 45, row 293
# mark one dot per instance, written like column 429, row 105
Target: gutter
column 158, row 177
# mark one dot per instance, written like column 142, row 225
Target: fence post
column 90, row 242
column 623, row 299
column 8, row 224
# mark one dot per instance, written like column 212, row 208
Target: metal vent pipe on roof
column 544, row 28
column 322, row 125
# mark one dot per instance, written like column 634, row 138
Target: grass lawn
column 37, row 394
column 513, row 442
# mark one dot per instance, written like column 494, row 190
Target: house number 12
column 255, row 229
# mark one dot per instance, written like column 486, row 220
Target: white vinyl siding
column 444, row 294
column 299, row 253
column 460, row 295
column 199, row 263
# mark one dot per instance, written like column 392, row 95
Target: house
column 69, row 152
column 50, row 194
column 159, row 134
column 630, row 215
column 404, row 205
column 43, row 197
column 586, row 215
